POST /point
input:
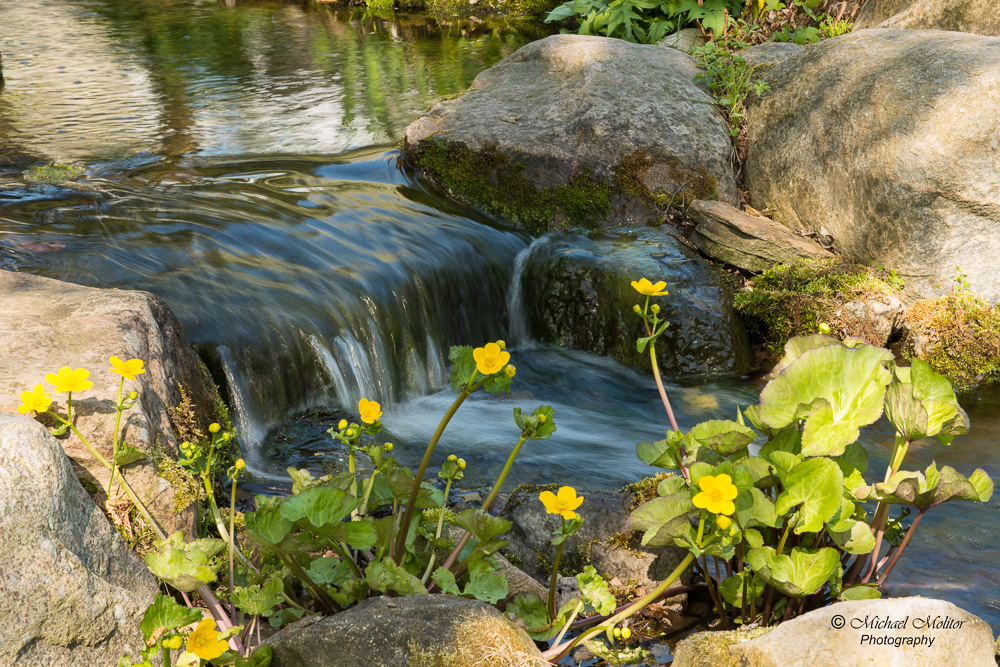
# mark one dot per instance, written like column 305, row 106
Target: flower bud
column 626, row 633
column 342, row 425
column 617, row 632
column 452, row 458
column 823, row 328
column 655, row 308
column 388, row 447
column 349, row 433
column 214, row 428
column 723, row 521
column 636, row 309
column 542, row 419
column 240, row 464
column 461, row 464
column 509, row 370
column 502, row 345
column 226, row 436
column 133, row 395
column 174, row 643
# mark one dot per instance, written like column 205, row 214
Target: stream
column 241, row 164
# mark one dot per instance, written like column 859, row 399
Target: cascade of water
column 520, row 330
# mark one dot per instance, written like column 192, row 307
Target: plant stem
column 368, row 492
column 166, row 656
column 437, row 533
column 324, row 598
column 404, row 528
column 659, row 386
column 569, row 622
column 342, row 551
column 552, row 582
column 232, row 543
column 489, row 500
column 114, row 441
column 558, row 652
column 714, row 593
column 906, row 540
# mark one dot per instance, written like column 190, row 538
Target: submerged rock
column 413, row 631
column 978, row 16
column 921, row 632
column 887, row 140
column 747, row 241
column 52, row 324
column 580, row 296
column 603, row 540
column 72, row 593
column 576, row 130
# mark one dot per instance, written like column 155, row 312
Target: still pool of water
column 240, row 164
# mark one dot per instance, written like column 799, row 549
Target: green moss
column 184, row 484
column 645, row 489
column 711, row 649
column 534, row 488
column 631, row 172
column 792, row 299
column 959, row 336
column 493, row 182
column 56, row 173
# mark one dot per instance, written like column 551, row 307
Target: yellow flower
column 717, row 494
column 562, row 503
column 127, row 369
column 36, row 400
column 643, row 286
column 66, row 380
column 723, row 522
column 204, row 642
column 370, row 411
column 490, row 358
column 510, row 370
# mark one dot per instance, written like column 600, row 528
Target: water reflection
column 112, row 79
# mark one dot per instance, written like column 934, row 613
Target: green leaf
column 533, row 612
column 857, row 538
column 753, row 508
column 445, row 580
column 930, row 488
column 595, row 592
column 328, row 570
column 722, row 436
column 497, row 384
column 662, row 453
column 184, row 565
column 854, row 458
column 483, row 526
column 758, row 469
column 463, row 366
column 801, row 573
column 490, row 587
column 816, row 484
column 925, row 405
column 835, row 388
column 670, row 485
column 259, row 600
column 384, row 576
column 732, row 588
column 166, row 614
column 129, row 454
column 661, row 519
column 861, row 592
column 320, row 506
column 266, row 526
column 539, row 425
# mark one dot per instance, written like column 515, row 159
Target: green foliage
column 185, row 565
column 731, row 79
column 645, row 21
column 799, row 515
column 165, row 614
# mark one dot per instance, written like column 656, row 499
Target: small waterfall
column 517, row 311
column 250, row 431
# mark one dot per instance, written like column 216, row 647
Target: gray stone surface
column 406, row 632
column 72, row 593
column 769, row 54
column 978, row 16
column 747, row 241
column 579, row 295
column 684, row 40
column 815, row 640
column 602, row 541
column 47, row 324
column 888, row 140
column 572, row 104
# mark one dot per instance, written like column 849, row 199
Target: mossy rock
column 711, row 649
column 578, row 131
column 793, row 299
column 958, row 335
column 414, row 631
column 54, row 173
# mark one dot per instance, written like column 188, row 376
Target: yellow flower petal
column 34, row 401
column 66, row 380
column 204, row 642
column 369, row 411
column 646, row 288
column 127, row 369
column 490, row 358
column 562, row 503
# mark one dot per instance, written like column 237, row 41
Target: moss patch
column 493, row 182
column 631, row 173
column 958, row 335
column 645, row 489
column 711, row 649
column 481, row 641
column 792, row 299
column 55, row 173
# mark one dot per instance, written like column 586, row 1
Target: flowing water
column 240, row 164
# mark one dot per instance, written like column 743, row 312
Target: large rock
column 902, row 632
column 888, row 141
column 602, row 541
column 413, row 631
column 747, row 241
column 72, row 593
column 579, row 295
column 978, row 16
column 48, row 324
column 577, row 130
